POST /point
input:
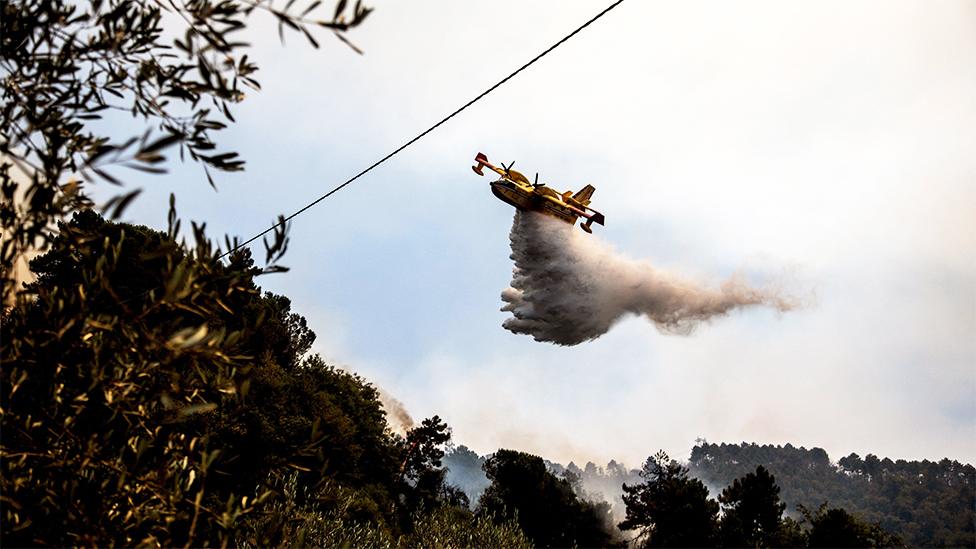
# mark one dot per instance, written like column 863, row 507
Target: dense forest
column 151, row 397
column 154, row 395
column 923, row 502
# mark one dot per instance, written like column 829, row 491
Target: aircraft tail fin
column 482, row 161
column 584, row 194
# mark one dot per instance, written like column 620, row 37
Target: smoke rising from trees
column 397, row 416
column 568, row 287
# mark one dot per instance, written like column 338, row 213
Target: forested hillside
column 921, row 502
column 924, row 502
column 153, row 394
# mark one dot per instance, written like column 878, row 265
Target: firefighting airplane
column 515, row 189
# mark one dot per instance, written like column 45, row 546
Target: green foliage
column 301, row 516
column 301, row 520
column 669, row 509
column 148, row 389
column 457, row 528
column 421, row 468
column 65, row 64
column 546, row 507
column 790, row 534
column 922, row 502
column 838, row 528
column 105, row 396
column 751, row 511
column 150, row 394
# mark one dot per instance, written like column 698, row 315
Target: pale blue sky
column 832, row 141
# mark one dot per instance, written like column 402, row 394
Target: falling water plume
column 568, row 287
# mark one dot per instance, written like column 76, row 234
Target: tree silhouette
column 421, row 473
column 751, row 511
column 838, row 528
column 546, row 508
column 668, row 509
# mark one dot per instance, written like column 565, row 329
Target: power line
column 425, row 132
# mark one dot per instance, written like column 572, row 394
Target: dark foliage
column 838, row 528
column 150, row 394
column 546, row 507
column 105, row 396
column 65, row 64
column 153, row 395
column 922, row 502
column 669, row 509
column 421, row 468
column 751, row 511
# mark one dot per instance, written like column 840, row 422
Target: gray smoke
column 397, row 416
column 569, row 287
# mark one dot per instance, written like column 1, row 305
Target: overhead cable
column 424, row 133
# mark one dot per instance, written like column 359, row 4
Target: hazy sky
column 828, row 144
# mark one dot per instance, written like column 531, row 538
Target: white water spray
column 568, row 287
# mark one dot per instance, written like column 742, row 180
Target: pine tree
column 669, row 509
column 752, row 511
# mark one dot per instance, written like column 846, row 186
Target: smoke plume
column 397, row 416
column 569, row 287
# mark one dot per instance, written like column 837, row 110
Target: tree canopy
column 65, row 65
column 922, row 502
column 833, row 527
column 751, row 511
column 669, row 509
column 151, row 393
column 546, row 507
column 154, row 395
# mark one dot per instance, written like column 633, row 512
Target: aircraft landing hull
column 524, row 200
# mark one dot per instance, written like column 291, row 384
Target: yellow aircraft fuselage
column 515, row 189
column 526, row 197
